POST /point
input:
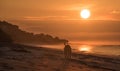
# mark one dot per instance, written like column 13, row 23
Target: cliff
column 21, row 36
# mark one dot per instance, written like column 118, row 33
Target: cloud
column 115, row 12
column 44, row 18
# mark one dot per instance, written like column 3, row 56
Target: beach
column 17, row 57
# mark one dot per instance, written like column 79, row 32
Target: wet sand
column 15, row 57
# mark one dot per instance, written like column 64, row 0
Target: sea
column 113, row 50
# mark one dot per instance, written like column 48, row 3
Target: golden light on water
column 85, row 48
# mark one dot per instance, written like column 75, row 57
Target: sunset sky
column 40, row 14
column 59, row 9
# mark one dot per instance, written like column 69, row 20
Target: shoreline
column 17, row 57
column 74, row 52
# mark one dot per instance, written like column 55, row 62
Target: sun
column 85, row 13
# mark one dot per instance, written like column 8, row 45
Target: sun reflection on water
column 85, row 48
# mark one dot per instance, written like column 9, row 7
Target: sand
column 15, row 57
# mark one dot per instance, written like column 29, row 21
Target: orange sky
column 58, row 9
column 58, row 17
